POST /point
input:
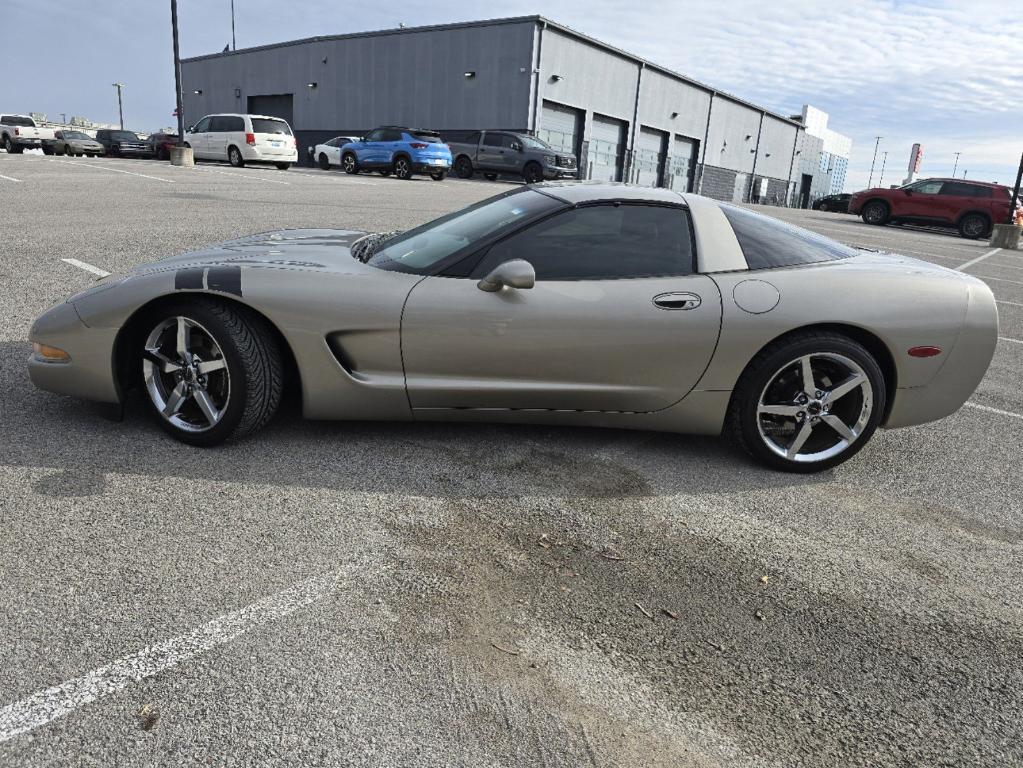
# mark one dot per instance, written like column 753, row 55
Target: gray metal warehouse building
column 624, row 118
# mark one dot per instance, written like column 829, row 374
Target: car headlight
column 50, row 354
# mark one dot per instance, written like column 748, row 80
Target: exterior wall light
column 310, row 85
column 197, row 91
column 469, row 75
column 674, row 115
column 556, row 78
column 237, row 93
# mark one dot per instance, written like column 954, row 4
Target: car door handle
column 677, row 301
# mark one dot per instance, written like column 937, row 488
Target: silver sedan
column 563, row 303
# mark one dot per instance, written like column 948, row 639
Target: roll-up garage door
column 560, row 127
column 651, row 149
column 279, row 105
column 683, row 163
column 607, row 148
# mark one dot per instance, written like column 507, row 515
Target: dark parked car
column 122, row 143
column 969, row 206
column 839, row 203
column 496, row 152
column 160, row 144
column 72, row 143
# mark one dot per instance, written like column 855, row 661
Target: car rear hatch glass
column 273, row 136
column 434, row 149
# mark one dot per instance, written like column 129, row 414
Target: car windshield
column 421, row 248
column 75, row 135
column 529, row 141
column 267, row 125
column 25, row 122
column 123, row 136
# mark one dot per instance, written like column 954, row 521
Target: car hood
column 320, row 250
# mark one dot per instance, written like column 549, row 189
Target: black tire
column 323, row 161
column 533, row 172
column 282, row 166
column 974, row 226
column 823, row 207
column 769, row 369
column 254, row 365
column 875, row 212
column 463, row 167
column 8, row 145
column 234, row 157
column 350, row 163
column 490, row 176
column 47, row 150
column 439, row 175
column 402, row 168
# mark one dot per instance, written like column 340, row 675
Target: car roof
column 594, row 191
column 965, row 181
column 243, row 114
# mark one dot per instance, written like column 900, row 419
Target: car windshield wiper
column 364, row 248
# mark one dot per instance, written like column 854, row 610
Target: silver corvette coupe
column 567, row 303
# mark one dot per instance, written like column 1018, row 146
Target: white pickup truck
column 20, row 132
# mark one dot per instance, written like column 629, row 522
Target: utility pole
column 956, row 166
column 120, row 106
column 884, row 161
column 234, row 45
column 1015, row 193
column 870, row 181
column 177, row 75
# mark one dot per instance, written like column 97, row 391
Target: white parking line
column 1008, row 303
column 999, row 279
column 9, row 178
column 47, row 705
column 971, row 262
column 86, row 267
column 112, row 170
column 1014, row 341
column 998, row 411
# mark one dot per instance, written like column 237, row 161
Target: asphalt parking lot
column 359, row 594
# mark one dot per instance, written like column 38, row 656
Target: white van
column 242, row 139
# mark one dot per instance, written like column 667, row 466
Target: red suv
column 969, row 206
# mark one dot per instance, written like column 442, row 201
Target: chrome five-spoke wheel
column 186, row 375
column 814, row 407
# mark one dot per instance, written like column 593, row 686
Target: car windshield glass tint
column 420, row 249
column 429, row 138
column 263, row 125
column 75, row 135
column 123, row 136
column 23, row 121
column 767, row 242
column 532, row 143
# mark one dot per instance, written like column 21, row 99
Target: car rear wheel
column 403, row 168
column 532, row 173
column 282, row 166
column 47, row 151
column 439, row 175
column 350, row 163
column 875, row 212
column 8, row 145
column 234, row 157
column 808, row 402
column 324, row 162
column 463, row 167
column 823, row 207
column 210, row 372
column 974, row 226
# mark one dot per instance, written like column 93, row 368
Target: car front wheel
column 350, row 164
column 875, row 212
column 210, row 371
column 439, row 175
column 532, row 173
column 808, row 402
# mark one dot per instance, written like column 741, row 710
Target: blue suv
column 401, row 151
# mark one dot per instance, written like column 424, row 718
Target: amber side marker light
column 50, row 354
column 924, row 351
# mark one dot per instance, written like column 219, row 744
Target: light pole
column 120, row 106
column 884, row 161
column 177, row 75
column 234, row 45
column 956, row 166
column 870, row 181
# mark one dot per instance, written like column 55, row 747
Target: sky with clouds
column 948, row 74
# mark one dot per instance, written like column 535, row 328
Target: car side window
column 216, row 125
column 978, row 191
column 927, row 187
column 510, row 141
column 492, row 139
column 202, row 126
column 473, row 138
column 601, row 242
column 391, row 135
column 374, row 135
column 234, row 124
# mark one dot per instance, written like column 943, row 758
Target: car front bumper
column 89, row 373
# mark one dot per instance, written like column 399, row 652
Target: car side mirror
column 517, row 147
column 190, row 129
column 909, row 192
column 517, row 273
